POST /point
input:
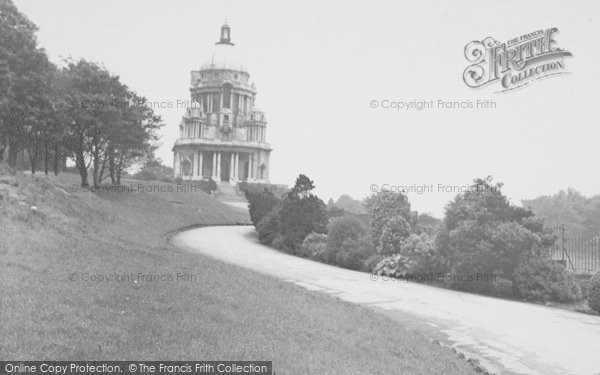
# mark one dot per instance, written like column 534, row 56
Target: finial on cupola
column 225, row 34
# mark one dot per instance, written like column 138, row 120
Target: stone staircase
column 229, row 193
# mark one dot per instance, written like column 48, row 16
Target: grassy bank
column 205, row 309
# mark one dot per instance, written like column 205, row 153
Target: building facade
column 222, row 135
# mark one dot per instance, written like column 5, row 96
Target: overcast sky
column 318, row 64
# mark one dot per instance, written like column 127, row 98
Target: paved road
column 506, row 336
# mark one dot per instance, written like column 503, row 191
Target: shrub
column 279, row 243
column 153, row 170
column 420, row 250
column 341, row 229
column 260, row 204
column 253, row 187
column 355, row 253
column 585, row 283
column 211, row 185
column 208, row 186
column 503, row 288
column 314, row 247
column 268, row 227
column 414, row 256
column 290, row 221
column 594, row 296
column 394, row 266
column 348, row 244
column 541, row 279
column 372, row 262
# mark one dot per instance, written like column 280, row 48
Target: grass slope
column 219, row 312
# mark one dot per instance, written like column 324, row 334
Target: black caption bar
column 136, row 367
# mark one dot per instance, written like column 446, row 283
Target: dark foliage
column 260, row 204
column 301, row 213
column 483, row 233
column 544, row 280
column 594, row 293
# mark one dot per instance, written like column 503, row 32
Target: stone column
column 254, row 167
column 194, row 165
column 267, row 177
column 231, row 167
column 213, row 170
column 236, row 167
column 250, row 167
column 218, row 175
column 176, row 164
column 200, row 164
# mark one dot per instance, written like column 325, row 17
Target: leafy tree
column 134, row 138
column 395, row 229
column 303, row 187
column 427, row 223
column 333, row 211
column 42, row 122
column 347, row 203
column 87, row 97
column 56, row 120
column 580, row 214
column 483, row 233
column 107, row 123
column 390, row 220
column 23, row 83
column 82, row 111
column 301, row 213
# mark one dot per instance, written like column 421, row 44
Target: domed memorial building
column 222, row 134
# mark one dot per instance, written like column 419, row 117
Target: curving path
column 508, row 337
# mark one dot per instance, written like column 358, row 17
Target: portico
column 220, row 166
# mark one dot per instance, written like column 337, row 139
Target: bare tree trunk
column 33, row 156
column 46, row 155
column 96, row 165
column 119, row 168
column 111, row 163
column 101, row 175
column 80, row 163
column 56, row 157
column 12, row 153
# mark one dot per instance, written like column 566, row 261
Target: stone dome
column 225, row 55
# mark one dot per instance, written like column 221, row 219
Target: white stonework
column 222, row 134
